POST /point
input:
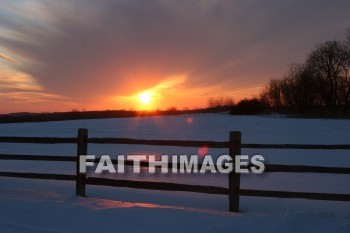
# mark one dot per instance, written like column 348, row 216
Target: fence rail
column 234, row 145
column 179, row 143
column 44, row 176
column 56, row 158
column 297, row 146
column 38, row 140
column 287, row 194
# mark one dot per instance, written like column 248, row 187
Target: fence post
column 234, row 178
column 81, row 150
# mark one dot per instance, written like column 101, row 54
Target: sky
column 154, row 54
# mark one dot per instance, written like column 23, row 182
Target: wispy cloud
column 8, row 58
column 17, row 81
column 32, row 97
column 20, row 88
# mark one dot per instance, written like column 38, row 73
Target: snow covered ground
column 50, row 206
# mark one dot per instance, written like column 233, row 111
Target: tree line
column 322, row 81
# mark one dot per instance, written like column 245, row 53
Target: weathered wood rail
column 233, row 190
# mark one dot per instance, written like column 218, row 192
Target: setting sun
column 145, row 97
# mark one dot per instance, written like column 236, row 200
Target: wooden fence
column 233, row 190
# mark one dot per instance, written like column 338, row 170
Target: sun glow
column 145, row 97
column 154, row 98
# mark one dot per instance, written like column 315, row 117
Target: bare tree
column 271, row 94
column 220, row 102
column 299, row 90
column 296, row 90
column 329, row 64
